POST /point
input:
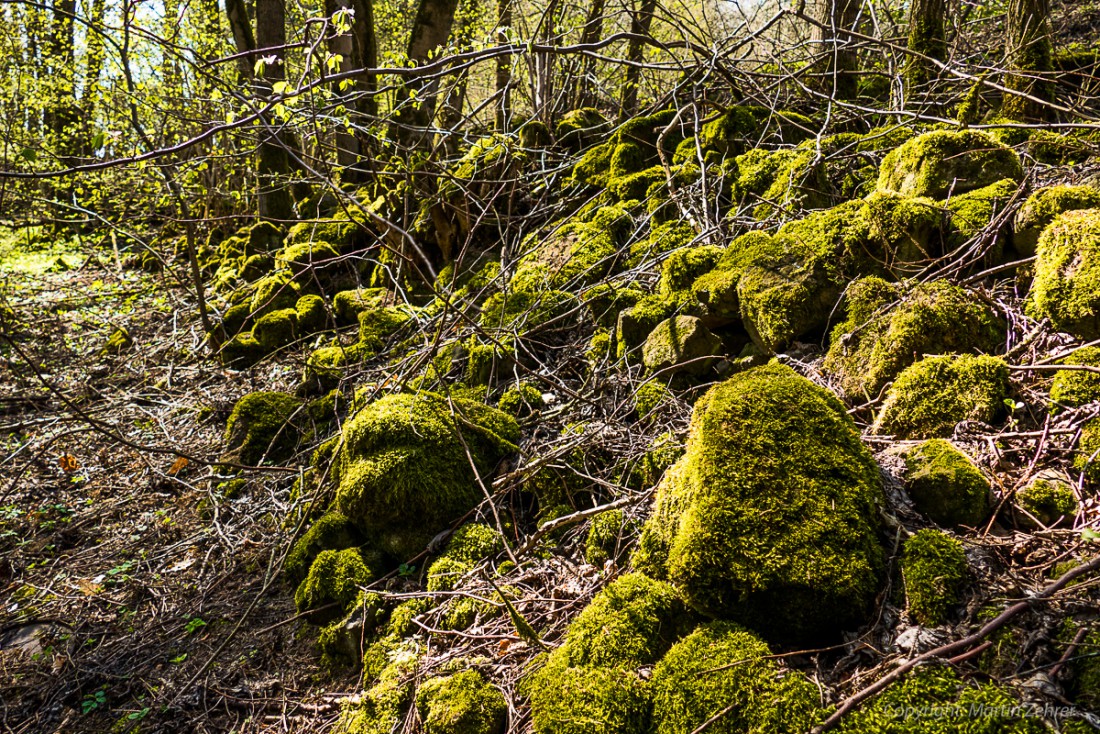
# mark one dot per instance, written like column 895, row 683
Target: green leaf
column 99, row 140
column 29, row 154
column 1088, row 534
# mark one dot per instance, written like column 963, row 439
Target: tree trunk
column 273, row 165
column 544, row 63
column 366, row 55
column 94, row 58
column 640, row 23
column 62, row 108
column 1030, row 53
column 431, row 29
column 584, row 94
column 504, row 68
column 839, row 62
column 343, row 44
column 926, row 37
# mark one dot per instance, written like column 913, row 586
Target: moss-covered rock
column 580, row 128
column 636, row 323
column 463, row 703
column 889, row 326
column 721, row 675
column 932, row 396
column 307, row 256
column 312, row 314
column 1043, row 207
column 382, row 708
column 472, row 542
column 332, row 531
column 974, row 211
column 681, row 344
column 241, row 352
column 1073, row 388
column 770, row 518
column 276, row 329
column 264, row 426
column 403, row 471
column 521, row 399
column 334, row 578
column 1067, row 274
column 934, row 571
column 273, row 293
column 946, row 485
column 1087, row 459
column 944, row 162
column 604, row 536
column 578, row 253
column 347, row 305
column 1048, row 499
column 119, row 342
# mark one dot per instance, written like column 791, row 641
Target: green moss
column 521, row 399
column 1043, row 207
column 723, row 672
column 263, row 427
column 338, row 231
column 377, row 326
column 273, row 293
column 974, row 211
column 445, row 573
column 594, row 165
column 347, row 305
column 1088, row 450
column 263, row 237
column 119, row 342
column 1067, row 274
column 589, row 700
column 578, row 253
column 473, row 542
column 332, row 532
column 890, row 326
column 662, row 453
column 462, row 703
column 934, row 571
column 236, row 319
column 304, row 256
column 276, row 329
column 681, row 344
column 932, row 396
column 334, row 578
column 934, row 700
column 770, row 518
column 897, row 235
column 1086, row 672
column 256, row 267
column 241, row 352
column 382, row 709
column 944, row 162
column 530, row 311
column 638, row 322
column 1049, row 499
column 580, row 128
column 604, row 537
column 649, row 396
column 663, row 238
column 404, row 474
column 312, row 314
column 945, row 485
column 634, row 186
column 1073, row 388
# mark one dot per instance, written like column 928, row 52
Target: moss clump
column 591, row 683
column 276, row 329
column 332, row 531
column 580, row 128
column 312, row 314
column 604, row 536
column 1088, row 450
column 334, row 578
column 347, row 305
column 521, row 399
column 683, row 266
column 1073, row 388
column 1086, row 672
column 638, row 322
column 577, row 253
column 975, row 210
column 1043, row 207
column 263, row 426
column 1067, row 274
column 377, row 326
column 462, row 703
column 273, row 293
column 945, row 162
column 681, row 344
column 404, row 474
column 934, row 395
column 934, row 571
column 897, row 235
column 241, row 352
column 889, row 326
column 305, row 256
column 472, row 542
column 382, row 708
column 445, row 573
column 770, row 518
column 945, row 485
column 721, row 670
column 263, row 237
column 934, row 700
column 119, row 342
column 664, row 238
column 649, row 396
column 1049, row 499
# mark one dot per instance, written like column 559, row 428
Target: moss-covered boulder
column 264, row 426
column 681, row 344
column 1047, row 500
column 333, row 582
column 974, row 211
column 593, row 681
column 577, row 129
column 383, row 707
column 1067, row 274
column 578, row 253
column 934, row 571
column 332, row 531
column 1043, row 207
column 403, row 470
column 771, row 517
column 463, row 703
column 944, row 162
column 945, row 485
column 273, row 293
column 888, row 326
column 722, row 676
column 1072, row 388
column 276, row 329
column 119, row 342
column 347, row 305
column 932, row 396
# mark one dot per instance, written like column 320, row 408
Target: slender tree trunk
column 504, row 68
column 62, row 109
column 926, row 37
column 640, row 23
column 544, row 63
column 1030, row 53
column 273, row 165
column 366, row 55
column 241, row 28
column 839, row 62
column 94, row 58
column 584, row 94
column 431, row 29
column 343, row 44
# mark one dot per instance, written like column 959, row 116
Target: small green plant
column 405, row 570
column 194, row 625
column 93, row 701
